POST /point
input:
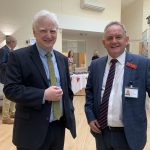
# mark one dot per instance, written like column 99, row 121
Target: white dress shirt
column 115, row 99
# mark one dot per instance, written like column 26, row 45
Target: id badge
column 131, row 92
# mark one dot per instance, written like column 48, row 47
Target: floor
column 84, row 140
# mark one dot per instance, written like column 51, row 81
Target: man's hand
column 95, row 127
column 53, row 93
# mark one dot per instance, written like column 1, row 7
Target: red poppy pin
column 78, row 78
column 133, row 66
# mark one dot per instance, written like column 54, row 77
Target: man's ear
column 127, row 40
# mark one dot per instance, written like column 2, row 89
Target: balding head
column 11, row 41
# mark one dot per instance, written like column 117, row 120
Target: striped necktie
column 55, row 104
column 104, row 104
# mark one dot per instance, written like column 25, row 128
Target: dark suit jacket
column 133, row 109
column 4, row 54
column 25, row 85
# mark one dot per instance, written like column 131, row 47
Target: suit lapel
column 129, row 72
column 38, row 63
column 60, row 67
column 102, row 70
column 100, row 76
column 7, row 49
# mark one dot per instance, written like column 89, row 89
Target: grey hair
column 115, row 23
column 44, row 13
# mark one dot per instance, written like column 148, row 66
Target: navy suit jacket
column 25, row 85
column 133, row 109
column 4, row 54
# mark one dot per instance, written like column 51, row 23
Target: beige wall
column 16, row 17
column 132, row 18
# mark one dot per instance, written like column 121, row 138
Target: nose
column 114, row 39
column 49, row 34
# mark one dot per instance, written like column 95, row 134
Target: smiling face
column 45, row 33
column 115, row 40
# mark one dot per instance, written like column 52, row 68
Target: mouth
column 48, row 40
column 115, row 46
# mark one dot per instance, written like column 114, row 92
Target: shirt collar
column 42, row 51
column 121, row 58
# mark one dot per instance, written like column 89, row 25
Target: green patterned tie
column 55, row 104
